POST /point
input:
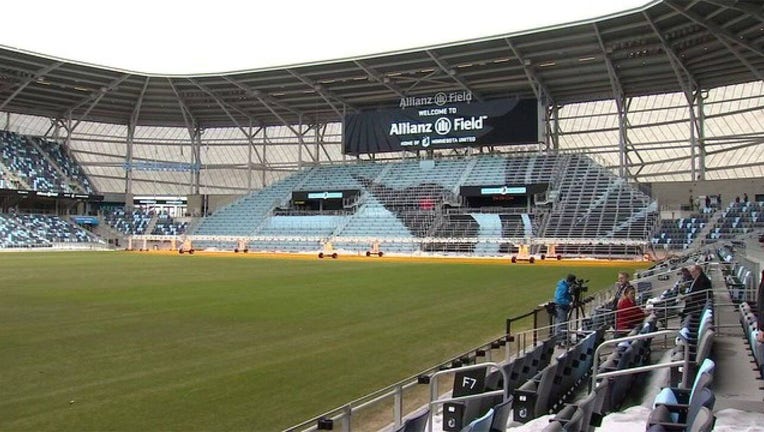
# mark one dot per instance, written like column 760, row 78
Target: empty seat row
column 626, row 355
column 739, row 280
column 749, row 321
column 695, row 337
column 552, row 386
column 678, row 408
column 685, row 409
column 517, row 371
column 582, row 416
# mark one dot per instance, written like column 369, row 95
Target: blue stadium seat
column 482, row 424
column 501, row 415
column 676, row 409
column 416, row 423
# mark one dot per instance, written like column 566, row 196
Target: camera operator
column 563, row 298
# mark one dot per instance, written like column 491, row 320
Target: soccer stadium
column 557, row 229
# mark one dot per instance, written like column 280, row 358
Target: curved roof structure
column 665, row 46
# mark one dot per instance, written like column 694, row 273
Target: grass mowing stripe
column 143, row 341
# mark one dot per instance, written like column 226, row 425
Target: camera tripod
column 577, row 310
column 576, row 315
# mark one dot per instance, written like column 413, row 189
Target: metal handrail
column 343, row 412
column 595, row 367
column 522, row 340
column 434, row 387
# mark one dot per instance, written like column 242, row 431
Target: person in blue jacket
column 562, row 302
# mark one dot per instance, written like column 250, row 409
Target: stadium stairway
column 152, row 223
column 70, row 183
column 490, row 227
column 10, row 176
column 705, row 231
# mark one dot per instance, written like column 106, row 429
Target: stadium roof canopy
column 665, row 46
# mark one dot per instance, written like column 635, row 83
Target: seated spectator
column 685, row 279
column 760, row 310
column 699, row 290
column 621, row 285
column 628, row 315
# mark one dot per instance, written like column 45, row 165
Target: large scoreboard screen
column 517, row 195
column 446, row 120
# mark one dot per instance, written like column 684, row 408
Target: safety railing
column 435, row 401
column 685, row 362
column 396, row 393
column 522, row 333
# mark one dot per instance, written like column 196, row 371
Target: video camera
column 577, row 287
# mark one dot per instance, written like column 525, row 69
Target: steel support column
column 196, row 160
column 701, row 116
column 194, row 133
column 129, row 163
column 544, row 98
column 687, row 87
column 618, row 97
column 265, row 156
column 554, row 129
column 132, row 124
column 249, row 161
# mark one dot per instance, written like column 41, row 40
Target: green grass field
column 133, row 342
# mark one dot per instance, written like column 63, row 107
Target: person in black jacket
column 760, row 309
column 700, row 289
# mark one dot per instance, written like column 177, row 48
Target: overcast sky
column 191, row 37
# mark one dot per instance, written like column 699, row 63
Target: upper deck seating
column 405, row 205
column 679, row 233
column 594, row 203
column 133, row 222
column 736, row 219
column 26, row 161
column 68, row 165
column 244, row 216
column 166, row 225
column 43, row 165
